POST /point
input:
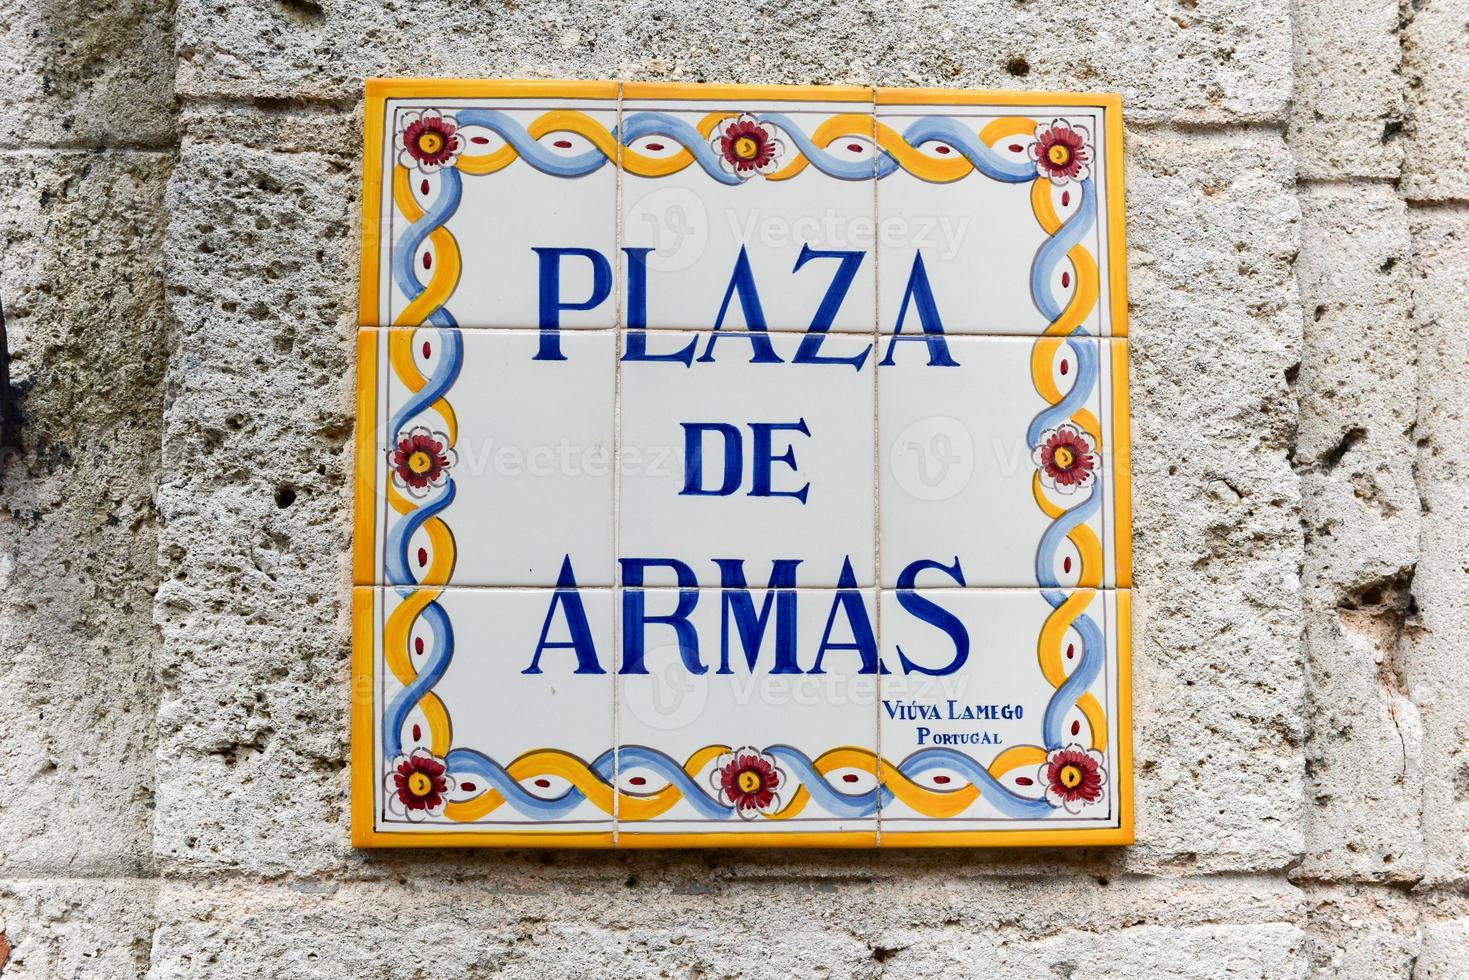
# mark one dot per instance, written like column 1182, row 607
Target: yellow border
column 360, row 707
column 364, row 776
column 488, row 88
column 643, row 840
column 372, row 193
column 378, row 92
column 364, row 519
column 1116, row 214
column 364, row 768
column 682, row 91
column 1121, row 464
column 953, row 96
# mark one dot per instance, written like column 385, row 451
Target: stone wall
column 178, row 271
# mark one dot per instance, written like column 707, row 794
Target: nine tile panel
column 775, row 464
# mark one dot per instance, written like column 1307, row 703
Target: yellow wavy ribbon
column 446, row 250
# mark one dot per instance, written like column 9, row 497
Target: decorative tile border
column 415, row 784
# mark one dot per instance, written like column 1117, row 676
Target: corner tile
column 980, row 236
column 495, row 709
column 505, row 217
column 1006, row 714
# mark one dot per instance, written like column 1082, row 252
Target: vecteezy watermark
column 675, row 224
column 669, row 697
column 933, row 459
column 939, row 236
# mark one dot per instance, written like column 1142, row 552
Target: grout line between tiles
column 876, row 476
column 879, row 333
column 618, row 333
column 873, row 587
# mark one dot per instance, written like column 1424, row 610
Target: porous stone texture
column 82, row 285
column 1216, row 528
column 1445, row 950
column 87, row 74
column 1016, row 930
column 255, row 500
column 179, row 283
column 1436, row 56
column 1361, row 932
column 1349, row 94
column 1188, row 61
column 1434, row 650
column 1358, row 389
column 57, row 927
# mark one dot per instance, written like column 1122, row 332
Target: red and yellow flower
column 748, row 780
column 418, row 785
column 1073, row 778
column 1062, row 152
column 428, row 140
column 1066, row 457
column 746, row 146
column 421, row 460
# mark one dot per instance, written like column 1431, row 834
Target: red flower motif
column 422, row 460
column 418, row 784
column 1061, row 153
column 1073, row 778
column 1066, row 457
column 747, row 780
column 429, row 140
column 746, row 146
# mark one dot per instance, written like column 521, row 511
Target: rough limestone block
column 255, row 497
column 1433, row 654
column 1358, row 386
column 1436, row 61
column 679, row 928
column 1215, row 323
column 1192, row 62
column 1362, row 932
column 1145, row 951
column 82, row 282
column 87, row 74
column 1348, row 107
column 77, row 927
column 1445, row 950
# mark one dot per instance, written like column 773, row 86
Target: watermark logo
column 933, row 459
column 672, row 222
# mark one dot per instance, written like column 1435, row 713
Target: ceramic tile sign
column 741, row 466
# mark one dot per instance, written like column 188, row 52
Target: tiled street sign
column 741, row 466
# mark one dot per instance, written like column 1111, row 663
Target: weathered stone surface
column 1445, row 950
column 77, row 927
column 1358, row 386
column 255, row 501
column 1191, row 62
column 1362, row 932
column 1349, row 93
column 851, row 928
column 1433, row 654
column 1215, row 322
column 82, row 283
column 1301, row 505
column 1436, row 61
column 84, row 74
